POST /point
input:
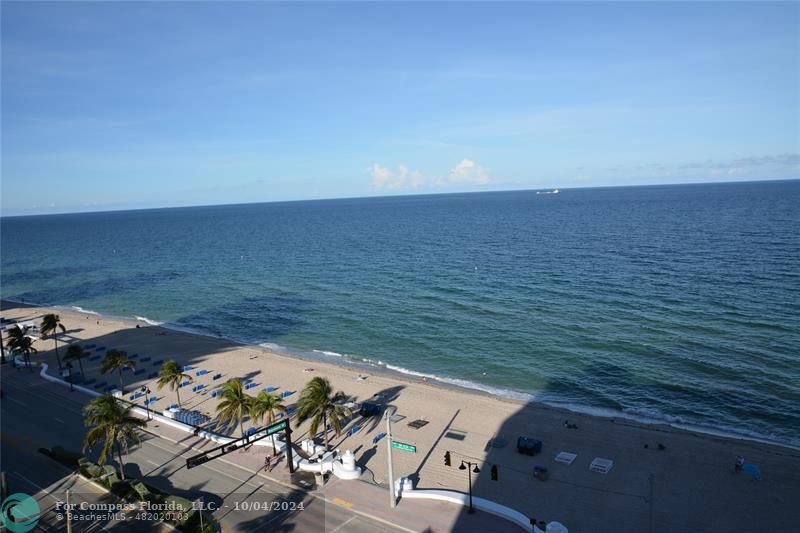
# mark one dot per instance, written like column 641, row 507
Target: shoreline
column 439, row 421
column 349, row 364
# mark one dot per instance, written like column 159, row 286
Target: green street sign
column 274, row 428
column 405, row 447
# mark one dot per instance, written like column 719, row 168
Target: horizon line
column 401, row 195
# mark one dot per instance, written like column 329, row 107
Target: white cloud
column 469, row 172
column 383, row 178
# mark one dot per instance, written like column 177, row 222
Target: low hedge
column 130, row 490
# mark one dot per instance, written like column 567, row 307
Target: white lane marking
column 344, row 524
column 226, row 474
column 15, row 401
column 59, row 420
column 31, row 482
column 153, row 463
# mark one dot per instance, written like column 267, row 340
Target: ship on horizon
column 554, row 191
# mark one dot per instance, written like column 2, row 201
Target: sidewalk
column 359, row 497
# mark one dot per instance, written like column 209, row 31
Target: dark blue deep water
column 677, row 303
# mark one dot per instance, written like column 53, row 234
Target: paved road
column 36, row 414
column 31, row 472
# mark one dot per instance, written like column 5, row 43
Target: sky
column 124, row 105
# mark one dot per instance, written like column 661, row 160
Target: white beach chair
column 566, row 458
column 603, row 466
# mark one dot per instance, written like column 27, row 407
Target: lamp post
column 69, row 504
column 470, row 467
column 146, row 392
column 389, row 413
column 200, row 499
column 69, row 376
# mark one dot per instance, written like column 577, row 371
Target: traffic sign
column 274, row 428
column 403, row 446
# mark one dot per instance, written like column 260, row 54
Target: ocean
column 676, row 304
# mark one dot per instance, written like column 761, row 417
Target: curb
column 314, row 493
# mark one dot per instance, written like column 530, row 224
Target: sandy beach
column 686, row 484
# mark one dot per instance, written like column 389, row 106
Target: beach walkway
column 688, row 484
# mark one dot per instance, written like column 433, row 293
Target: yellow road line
column 343, row 503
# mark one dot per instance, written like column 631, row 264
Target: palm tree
column 235, row 403
column 117, row 360
column 265, row 405
column 75, row 352
column 20, row 342
column 112, row 424
column 51, row 323
column 15, row 335
column 25, row 347
column 171, row 376
column 319, row 403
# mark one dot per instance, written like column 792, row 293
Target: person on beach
column 737, row 467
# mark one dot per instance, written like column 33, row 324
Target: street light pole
column 471, row 467
column 389, row 413
column 202, row 529
column 69, row 507
column 69, row 514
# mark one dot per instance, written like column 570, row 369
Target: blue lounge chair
column 378, row 437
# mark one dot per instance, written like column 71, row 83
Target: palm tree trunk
column 80, row 364
column 121, row 464
column 241, row 426
column 178, row 392
column 55, row 340
column 28, row 361
column 325, row 428
column 269, row 423
column 121, row 386
column 2, row 350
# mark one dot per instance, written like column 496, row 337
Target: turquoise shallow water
column 676, row 303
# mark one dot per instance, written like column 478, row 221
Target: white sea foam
column 82, row 310
column 641, row 415
column 147, row 320
column 326, row 352
column 273, row 347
